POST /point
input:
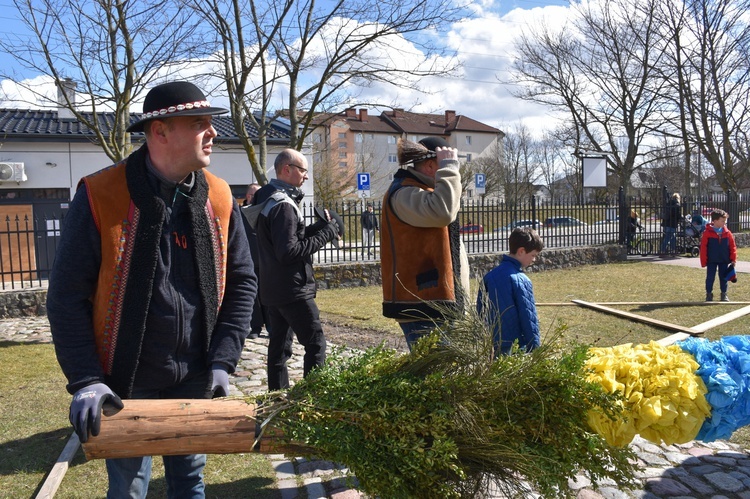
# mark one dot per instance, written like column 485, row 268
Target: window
column 358, row 138
column 392, row 158
column 371, row 136
column 342, row 144
column 468, row 140
column 343, row 164
column 342, row 154
column 317, row 138
column 468, row 158
column 391, row 139
column 342, row 135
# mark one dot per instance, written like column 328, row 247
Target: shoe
column 253, row 336
column 709, row 297
column 724, row 297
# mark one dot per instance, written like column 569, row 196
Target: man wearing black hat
column 287, row 283
column 152, row 287
column 423, row 262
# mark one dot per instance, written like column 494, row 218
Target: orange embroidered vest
column 122, row 229
column 417, row 265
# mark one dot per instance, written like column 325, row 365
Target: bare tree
column 244, row 32
column 599, row 70
column 332, row 180
column 110, row 49
column 320, row 54
column 519, row 167
column 709, row 74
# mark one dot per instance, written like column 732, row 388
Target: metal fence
column 28, row 244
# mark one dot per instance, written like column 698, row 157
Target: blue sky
column 482, row 44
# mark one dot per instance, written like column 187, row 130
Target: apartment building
column 356, row 141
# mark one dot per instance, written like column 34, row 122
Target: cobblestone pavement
column 718, row 470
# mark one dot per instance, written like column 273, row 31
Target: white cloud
column 483, row 45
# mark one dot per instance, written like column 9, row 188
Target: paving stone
column 700, row 451
column 718, row 459
column 666, row 487
column 314, row 489
column 653, row 459
column 588, row 494
column 724, row 481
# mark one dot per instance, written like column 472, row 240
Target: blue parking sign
column 363, row 181
column 363, row 185
column 480, row 179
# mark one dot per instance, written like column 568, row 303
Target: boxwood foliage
column 448, row 420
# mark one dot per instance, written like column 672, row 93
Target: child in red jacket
column 718, row 252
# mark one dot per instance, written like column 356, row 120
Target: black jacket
column 369, row 220
column 672, row 215
column 286, row 245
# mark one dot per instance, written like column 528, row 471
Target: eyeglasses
column 303, row 170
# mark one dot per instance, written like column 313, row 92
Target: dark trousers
column 259, row 317
column 711, row 269
column 300, row 318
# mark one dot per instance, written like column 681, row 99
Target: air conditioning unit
column 12, row 172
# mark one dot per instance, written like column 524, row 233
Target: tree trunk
column 182, row 426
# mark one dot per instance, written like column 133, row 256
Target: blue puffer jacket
column 508, row 293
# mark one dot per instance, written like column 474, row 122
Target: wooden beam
column 56, row 475
column 659, row 303
column 639, row 318
column 722, row 319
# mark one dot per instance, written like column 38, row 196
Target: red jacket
column 717, row 247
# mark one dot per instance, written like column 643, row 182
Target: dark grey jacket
column 286, row 245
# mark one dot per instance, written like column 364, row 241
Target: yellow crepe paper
column 663, row 398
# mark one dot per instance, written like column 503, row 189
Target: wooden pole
column 639, row 318
column 181, row 426
column 54, row 479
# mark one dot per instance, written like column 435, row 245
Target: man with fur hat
column 152, row 287
column 423, row 261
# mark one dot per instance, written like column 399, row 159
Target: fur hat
column 410, row 153
column 176, row 98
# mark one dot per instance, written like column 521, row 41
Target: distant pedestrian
column 718, row 252
column 670, row 221
column 634, row 225
column 369, row 225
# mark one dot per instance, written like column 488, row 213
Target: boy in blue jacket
column 507, row 294
column 718, row 252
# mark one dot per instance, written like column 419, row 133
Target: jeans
column 415, row 330
column 669, row 240
column 129, row 477
column 711, row 269
column 300, row 318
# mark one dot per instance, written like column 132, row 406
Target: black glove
column 86, row 409
column 219, row 381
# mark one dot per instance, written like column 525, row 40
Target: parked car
column 608, row 221
column 534, row 224
column 471, row 229
column 562, row 222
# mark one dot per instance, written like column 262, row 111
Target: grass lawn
column 34, row 403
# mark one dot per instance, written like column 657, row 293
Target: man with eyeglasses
column 287, row 284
